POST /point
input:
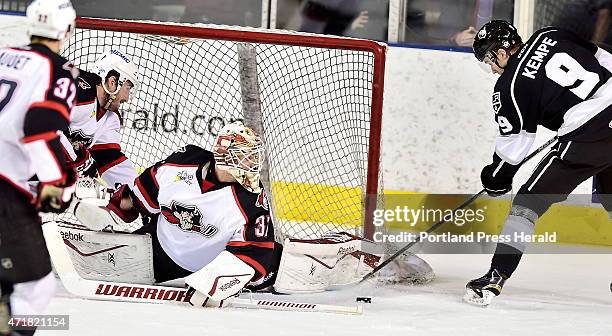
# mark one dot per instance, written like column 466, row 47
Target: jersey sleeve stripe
column 269, row 245
column 152, row 173
column 86, row 103
column 48, row 166
column 42, row 136
column 106, row 146
column 63, row 110
column 253, row 263
column 141, row 189
column 110, row 165
column 180, row 165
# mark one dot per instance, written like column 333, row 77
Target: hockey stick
column 125, row 292
column 447, row 218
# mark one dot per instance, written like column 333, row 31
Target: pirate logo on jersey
column 79, row 140
column 262, row 200
column 187, row 218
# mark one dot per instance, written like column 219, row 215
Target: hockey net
column 318, row 100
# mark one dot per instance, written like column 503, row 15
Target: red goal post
column 352, row 91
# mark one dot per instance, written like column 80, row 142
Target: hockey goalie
column 207, row 220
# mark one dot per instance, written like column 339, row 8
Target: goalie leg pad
column 110, row 256
column 311, row 266
column 407, row 268
column 223, row 277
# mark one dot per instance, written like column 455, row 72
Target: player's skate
column 482, row 290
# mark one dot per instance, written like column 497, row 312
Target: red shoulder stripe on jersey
column 106, row 146
column 19, row 188
column 110, row 165
column 269, row 245
column 85, row 103
column 253, row 263
column 144, row 193
column 54, row 106
column 42, row 136
column 246, row 219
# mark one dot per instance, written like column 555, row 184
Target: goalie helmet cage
column 319, row 104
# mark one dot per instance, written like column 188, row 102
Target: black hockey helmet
column 494, row 35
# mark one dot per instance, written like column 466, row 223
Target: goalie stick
column 447, row 218
column 125, row 292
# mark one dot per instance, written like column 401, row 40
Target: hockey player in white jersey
column 208, row 209
column 37, row 92
column 92, row 141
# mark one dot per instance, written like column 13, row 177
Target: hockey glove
column 495, row 185
column 56, row 197
column 121, row 203
column 84, row 164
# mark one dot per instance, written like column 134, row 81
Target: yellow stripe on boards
column 317, row 203
column 342, row 206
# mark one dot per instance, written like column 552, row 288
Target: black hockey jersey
column 200, row 216
column 555, row 80
column 37, row 92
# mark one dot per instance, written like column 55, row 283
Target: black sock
column 506, row 259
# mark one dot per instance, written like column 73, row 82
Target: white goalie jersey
column 199, row 216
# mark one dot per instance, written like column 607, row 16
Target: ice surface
column 548, row 295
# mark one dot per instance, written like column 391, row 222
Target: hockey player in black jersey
column 38, row 91
column 563, row 83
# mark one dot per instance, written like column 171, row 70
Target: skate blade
column 473, row 298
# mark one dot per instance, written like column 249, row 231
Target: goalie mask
column 239, row 151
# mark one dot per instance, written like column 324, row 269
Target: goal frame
column 258, row 35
